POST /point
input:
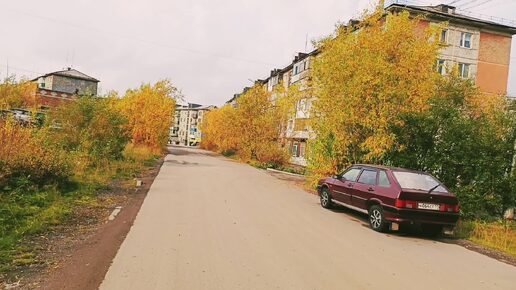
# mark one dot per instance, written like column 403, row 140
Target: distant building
column 480, row 48
column 187, row 119
column 65, row 85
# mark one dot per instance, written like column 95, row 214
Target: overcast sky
column 210, row 49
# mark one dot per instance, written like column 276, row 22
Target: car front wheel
column 325, row 198
column 376, row 218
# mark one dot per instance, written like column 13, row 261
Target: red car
column 392, row 196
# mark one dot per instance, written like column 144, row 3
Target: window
column 465, row 40
column 300, row 67
column 368, row 177
column 302, row 149
column 295, row 149
column 351, row 175
column 307, row 105
column 273, row 81
column 418, row 181
column 441, row 67
column 464, row 70
column 444, row 36
column 383, row 180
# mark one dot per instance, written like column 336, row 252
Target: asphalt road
column 211, row 223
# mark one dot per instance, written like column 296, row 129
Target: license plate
column 430, row 206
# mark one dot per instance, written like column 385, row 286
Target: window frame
column 378, row 179
column 446, row 35
column 341, row 176
column 295, row 153
column 441, row 67
column 463, row 40
column 463, row 65
column 368, row 169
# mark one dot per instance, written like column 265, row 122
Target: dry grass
column 499, row 236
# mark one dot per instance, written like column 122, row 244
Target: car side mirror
column 336, row 176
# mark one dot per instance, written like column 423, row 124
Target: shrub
column 17, row 94
column 24, row 156
column 90, row 128
column 149, row 112
column 467, row 144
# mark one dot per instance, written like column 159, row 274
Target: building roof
column 193, row 107
column 71, row 73
column 445, row 12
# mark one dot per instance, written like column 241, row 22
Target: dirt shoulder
column 77, row 254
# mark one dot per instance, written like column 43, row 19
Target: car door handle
column 370, row 189
column 350, row 184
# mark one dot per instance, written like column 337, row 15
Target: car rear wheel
column 326, row 198
column 431, row 230
column 376, row 218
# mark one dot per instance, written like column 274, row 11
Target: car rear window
column 418, row 181
column 383, row 180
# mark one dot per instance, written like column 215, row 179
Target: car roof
column 392, row 168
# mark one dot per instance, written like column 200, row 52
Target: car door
column 364, row 188
column 343, row 186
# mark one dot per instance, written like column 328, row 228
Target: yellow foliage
column 219, row 130
column 364, row 80
column 17, row 94
column 149, row 112
column 23, row 154
column 251, row 129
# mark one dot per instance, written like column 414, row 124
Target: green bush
column 91, row 128
column 468, row 145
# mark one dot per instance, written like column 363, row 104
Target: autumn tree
column 365, row 78
column 17, row 94
column 219, row 131
column 253, row 127
column 149, row 112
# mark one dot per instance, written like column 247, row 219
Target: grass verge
column 500, row 236
column 26, row 209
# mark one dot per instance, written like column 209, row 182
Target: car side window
column 383, row 180
column 351, row 175
column 368, row 177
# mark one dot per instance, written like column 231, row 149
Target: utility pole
column 514, row 159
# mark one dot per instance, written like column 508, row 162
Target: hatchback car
column 392, row 197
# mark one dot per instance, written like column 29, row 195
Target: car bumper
column 408, row 216
column 319, row 188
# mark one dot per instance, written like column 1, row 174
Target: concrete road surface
column 211, row 223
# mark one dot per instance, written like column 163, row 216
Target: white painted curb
column 284, row 172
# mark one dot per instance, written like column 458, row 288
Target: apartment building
column 479, row 48
column 298, row 130
column 186, row 127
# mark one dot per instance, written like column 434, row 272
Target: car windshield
column 419, row 181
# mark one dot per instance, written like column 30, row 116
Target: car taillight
column 405, row 203
column 453, row 208
column 449, row 207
